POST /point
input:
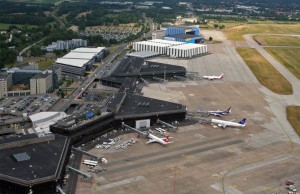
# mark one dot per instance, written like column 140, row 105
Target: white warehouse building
column 151, row 46
column 167, row 42
column 186, row 50
column 170, row 48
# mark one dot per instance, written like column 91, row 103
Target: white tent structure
column 41, row 121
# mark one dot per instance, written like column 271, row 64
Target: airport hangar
column 171, row 48
column 32, row 163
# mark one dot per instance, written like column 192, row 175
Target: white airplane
column 217, row 112
column 212, row 77
column 152, row 138
column 164, row 141
column 222, row 123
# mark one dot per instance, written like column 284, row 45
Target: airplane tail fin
column 228, row 110
column 221, row 76
column 242, row 121
column 166, row 139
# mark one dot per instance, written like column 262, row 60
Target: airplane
column 216, row 113
column 165, row 140
column 222, row 123
column 212, row 77
column 152, row 138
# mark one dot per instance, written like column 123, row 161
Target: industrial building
column 193, row 30
column 167, row 42
column 172, row 48
column 187, row 38
column 74, row 66
column 99, row 52
column 41, row 83
column 187, row 50
column 80, row 60
column 150, row 46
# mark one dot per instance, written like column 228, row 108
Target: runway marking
column 120, row 183
column 228, row 188
column 140, row 157
column 167, row 158
column 260, row 164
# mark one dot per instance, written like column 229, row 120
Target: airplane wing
column 151, row 141
column 222, row 125
column 216, row 114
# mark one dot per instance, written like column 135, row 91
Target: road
column 57, row 19
column 100, row 71
column 27, row 48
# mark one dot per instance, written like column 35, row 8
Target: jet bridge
column 133, row 129
column 145, row 81
column 83, row 174
column 180, row 78
column 165, row 123
column 88, row 154
column 58, row 189
column 159, row 79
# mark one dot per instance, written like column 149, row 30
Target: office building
column 41, row 83
column 5, row 84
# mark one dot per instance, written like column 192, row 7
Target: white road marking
column 120, row 183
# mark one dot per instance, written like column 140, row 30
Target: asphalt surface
column 171, row 157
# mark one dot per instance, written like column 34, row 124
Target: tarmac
column 258, row 158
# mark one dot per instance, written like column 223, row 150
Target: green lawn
column 268, row 40
column 290, row 58
column 236, row 32
column 266, row 74
column 6, row 26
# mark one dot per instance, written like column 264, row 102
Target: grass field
column 39, row 1
column 269, row 40
column 43, row 63
column 236, row 32
column 293, row 116
column 290, row 58
column 266, row 74
column 4, row 26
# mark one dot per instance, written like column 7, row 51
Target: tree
column 210, row 38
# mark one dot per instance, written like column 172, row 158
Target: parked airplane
column 216, row 113
column 152, row 138
column 222, row 123
column 165, row 140
column 212, row 77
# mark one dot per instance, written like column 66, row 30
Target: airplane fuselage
column 222, row 123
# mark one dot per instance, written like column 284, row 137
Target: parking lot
column 28, row 104
column 258, row 158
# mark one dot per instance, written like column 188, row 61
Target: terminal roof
column 46, row 160
column 134, row 106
